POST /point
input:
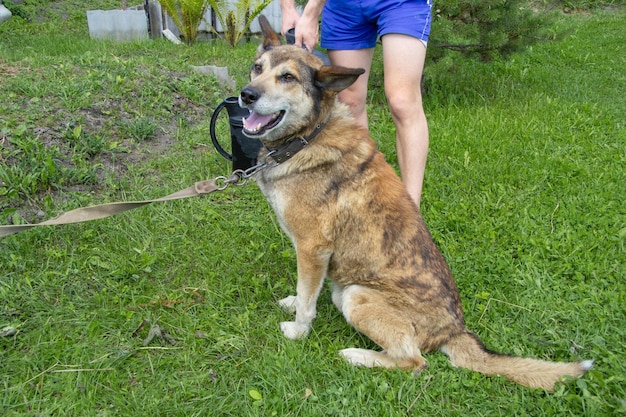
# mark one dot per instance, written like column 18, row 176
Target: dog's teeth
column 245, row 123
column 258, row 127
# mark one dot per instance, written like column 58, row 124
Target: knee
column 405, row 105
column 354, row 100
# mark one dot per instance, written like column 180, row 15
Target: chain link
column 240, row 177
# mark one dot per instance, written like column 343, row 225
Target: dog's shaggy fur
column 352, row 221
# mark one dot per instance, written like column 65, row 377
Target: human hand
column 290, row 17
column 307, row 33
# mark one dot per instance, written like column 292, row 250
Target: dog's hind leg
column 371, row 359
column 371, row 314
column 337, row 294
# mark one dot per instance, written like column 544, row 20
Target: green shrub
column 236, row 23
column 187, row 15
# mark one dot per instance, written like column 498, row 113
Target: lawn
column 524, row 193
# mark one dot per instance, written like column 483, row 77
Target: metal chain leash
column 240, row 177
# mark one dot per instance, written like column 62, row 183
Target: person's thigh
column 403, row 60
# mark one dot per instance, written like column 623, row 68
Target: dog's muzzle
column 257, row 124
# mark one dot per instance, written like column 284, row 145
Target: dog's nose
column 249, row 95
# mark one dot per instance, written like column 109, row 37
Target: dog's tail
column 468, row 351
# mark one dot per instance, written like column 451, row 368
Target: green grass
column 524, row 194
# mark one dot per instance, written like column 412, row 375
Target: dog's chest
column 277, row 199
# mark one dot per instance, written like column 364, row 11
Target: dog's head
column 290, row 90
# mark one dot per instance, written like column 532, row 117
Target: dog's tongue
column 255, row 120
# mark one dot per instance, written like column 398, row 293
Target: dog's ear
column 335, row 78
column 270, row 38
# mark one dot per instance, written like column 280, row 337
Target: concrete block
column 122, row 25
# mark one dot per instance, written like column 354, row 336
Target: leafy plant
column 17, row 10
column 484, row 29
column 187, row 15
column 236, row 23
column 35, row 166
column 143, row 128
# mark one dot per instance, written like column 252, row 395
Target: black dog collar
column 285, row 152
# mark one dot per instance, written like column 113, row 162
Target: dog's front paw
column 293, row 330
column 288, row 304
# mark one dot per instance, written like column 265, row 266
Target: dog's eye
column 288, row 77
column 257, row 68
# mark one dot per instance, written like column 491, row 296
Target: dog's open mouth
column 256, row 124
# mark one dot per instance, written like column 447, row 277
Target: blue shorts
column 357, row 24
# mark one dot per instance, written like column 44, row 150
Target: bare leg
column 404, row 58
column 355, row 96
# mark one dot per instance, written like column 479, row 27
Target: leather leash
column 101, row 211
column 238, row 177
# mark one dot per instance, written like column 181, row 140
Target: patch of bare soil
column 111, row 164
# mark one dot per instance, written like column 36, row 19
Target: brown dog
column 352, row 221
